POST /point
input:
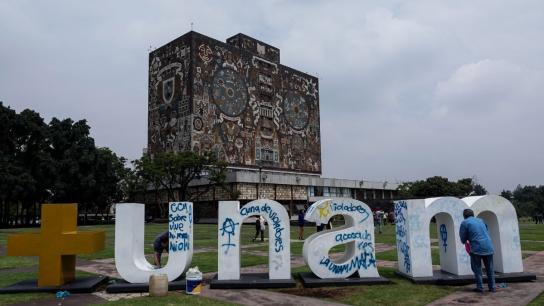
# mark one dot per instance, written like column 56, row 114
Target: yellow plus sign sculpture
column 57, row 244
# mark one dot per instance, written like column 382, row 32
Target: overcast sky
column 408, row 89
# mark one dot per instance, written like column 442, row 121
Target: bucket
column 158, row 285
column 193, row 281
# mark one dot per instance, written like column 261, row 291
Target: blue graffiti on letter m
column 444, row 236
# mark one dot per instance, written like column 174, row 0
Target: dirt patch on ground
column 335, row 293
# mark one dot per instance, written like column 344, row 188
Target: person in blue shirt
column 474, row 230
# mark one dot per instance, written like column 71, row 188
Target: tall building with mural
column 236, row 99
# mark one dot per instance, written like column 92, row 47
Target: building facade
column 236, row 99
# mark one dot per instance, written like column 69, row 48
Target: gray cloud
column 408, row 89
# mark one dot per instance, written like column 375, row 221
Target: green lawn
column 531, row 231
column 401, row 292
column 538, row 301
column 173, row 298
column 10, row 278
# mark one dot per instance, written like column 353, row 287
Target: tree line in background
column 528, row 200
column 438, row 186
column 52, row 162
column 58, row 162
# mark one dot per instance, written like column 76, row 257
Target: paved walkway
column 252, row 297
column 514, row 294
column 107, row 266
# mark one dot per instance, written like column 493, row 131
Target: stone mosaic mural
column 169, row 116
column 236, row 100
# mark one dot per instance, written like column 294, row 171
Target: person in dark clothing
column 159, row 245
column 474, row 230
column 259, row 227
column 320, row 226
column 301, row 224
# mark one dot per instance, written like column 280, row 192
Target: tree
column 55, row 162
column 173, row 172
column 528, row 200
column 479, row 190
column 507, row 194
column 108, row 171
column 438, row 186
column 149, row 174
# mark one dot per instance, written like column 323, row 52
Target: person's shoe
column 478, row 290
column 493, row 290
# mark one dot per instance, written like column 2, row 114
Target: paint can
column 193, row 281
column 158, row 285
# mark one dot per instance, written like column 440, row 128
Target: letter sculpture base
column 78, row 285
column 310, row 280
column 122, row 286
column 444, row 278
column 252, row 281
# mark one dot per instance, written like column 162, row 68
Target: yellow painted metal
column 57, row 244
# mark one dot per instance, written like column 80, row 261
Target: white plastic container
column 158, row 285
column 193, row 281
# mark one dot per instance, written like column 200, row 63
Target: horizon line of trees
column 437, row 186
column 52, row 162
column 58, row 162
column 528, row 200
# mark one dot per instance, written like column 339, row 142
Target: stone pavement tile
column 104, row 267
column 72, row 300
column 118, row 296
column 387, row 263
column 514, row 294
column 382, row 247
column 262, row 297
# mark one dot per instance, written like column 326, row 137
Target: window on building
column 311, row 191
column 326, row 192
